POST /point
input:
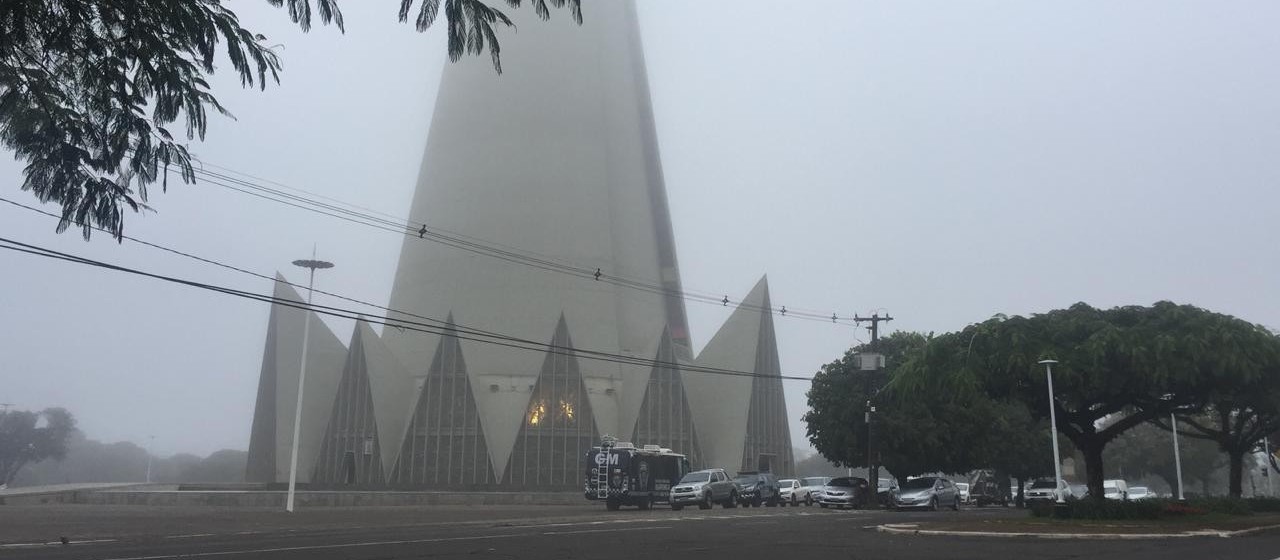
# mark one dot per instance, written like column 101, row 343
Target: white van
column 1115, row 489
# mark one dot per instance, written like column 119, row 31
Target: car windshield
column 786, row 482
column 844, row 482
column 962, row 485
column 1042, row 484
column 814, row 481
column 695, row 477
column 918, row 484
column 885, row 483
column 747, row 478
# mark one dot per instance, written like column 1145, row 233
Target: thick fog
column 941, row 161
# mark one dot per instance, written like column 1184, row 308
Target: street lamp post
column 1177, row 455
column 1053, row 429
column 1266, row 467
column 311, row 265
column 150, row 445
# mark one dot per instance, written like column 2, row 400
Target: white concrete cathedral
column 553, row 164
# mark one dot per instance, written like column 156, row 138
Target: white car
column 1141, row 493
column 963, row 488
column 812, row 487
column 1115, row 489
column 790, row 492
column 1042, row 491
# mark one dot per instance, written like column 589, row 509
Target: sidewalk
column 1200, row 526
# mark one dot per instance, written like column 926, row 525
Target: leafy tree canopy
column 920, row 429
column 1128, row 365
column 89, row 89
column 28, row 437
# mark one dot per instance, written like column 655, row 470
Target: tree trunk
column 1235, row 474
column 1093, row 470
column 1018, row 500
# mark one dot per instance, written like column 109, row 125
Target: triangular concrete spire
column 281, row 364
column 720, row 403
column 393, row 390
column 557, row 426
column 445, row 443
column 349, row 452
column 664, row 417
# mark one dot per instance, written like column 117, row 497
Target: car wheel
column 706, row 501
column 823, row 506
column 808, row 501
column 646, row 504
column 732, row 502
column 933, row 504
column 794, row 502
column 612, row 504
column 956, row 506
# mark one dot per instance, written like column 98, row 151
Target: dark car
column 845, row 491
column 987, row 489
column 757, row 488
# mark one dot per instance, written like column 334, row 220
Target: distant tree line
column 50, row 450
column 978, row 398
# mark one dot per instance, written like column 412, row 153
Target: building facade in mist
column 556, row 162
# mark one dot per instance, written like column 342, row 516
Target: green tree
column 1148, row 450
column 1236, row 422
column 916, row 431
column 1127, row 365
column 28, row 437
column 89, row 88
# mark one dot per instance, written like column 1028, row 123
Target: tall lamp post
column 150, row 446
column 311, row 265
column 1053, row 430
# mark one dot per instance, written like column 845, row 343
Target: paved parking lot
column 551, row 532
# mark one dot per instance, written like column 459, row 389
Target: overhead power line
column 409, row 228
column 438, row 328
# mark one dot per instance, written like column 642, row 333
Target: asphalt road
column 482, row 532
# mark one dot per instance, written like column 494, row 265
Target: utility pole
column 151, row 444
column 873, row 470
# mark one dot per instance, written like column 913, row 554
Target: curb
column 908, row 529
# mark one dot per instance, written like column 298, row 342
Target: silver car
column 812, row 488
column 846, row 491
column 703, row 489
column 928, row 492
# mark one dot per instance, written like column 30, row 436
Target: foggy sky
column 943, row 161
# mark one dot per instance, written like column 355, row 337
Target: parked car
column 1141, row 493
column 887, row 491
column 1042, row 490
column 987, row 488
column 790, row 491
column 929, row 492
column 845, row 491
column 812, row 486
column 963, row 489
column 704, row 488
column 1115, row 489
column 757, row 488
column 1079, row 490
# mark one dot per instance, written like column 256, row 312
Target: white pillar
column 1266, row 448
column 1177, row 455
column 1053, row 427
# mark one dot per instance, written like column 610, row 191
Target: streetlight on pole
column 1053, row 429
column 311, row 265
column 150, row 445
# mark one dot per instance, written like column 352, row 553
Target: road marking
column 604, row 530
column 316, row 547
column 53, row 543
column 191, row 536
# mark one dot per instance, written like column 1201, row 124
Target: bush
column 1263, row 505
column 1101, row 510
column 1229, row 506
